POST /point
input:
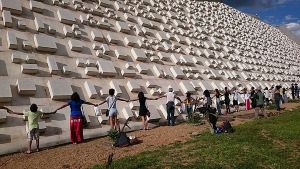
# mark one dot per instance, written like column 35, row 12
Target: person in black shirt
column 144, row 112
column 227, row 100
column 253, row 98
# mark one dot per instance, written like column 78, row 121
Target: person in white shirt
column 236, row 95
column 267, row 96
column 170, row 104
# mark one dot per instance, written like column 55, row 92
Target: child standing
column 33, row 126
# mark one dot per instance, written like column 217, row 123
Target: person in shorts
column 33, row 117
column 111, row 101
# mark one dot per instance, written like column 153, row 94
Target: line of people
column 256, row 98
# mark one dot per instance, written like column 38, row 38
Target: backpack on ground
column 227, row 128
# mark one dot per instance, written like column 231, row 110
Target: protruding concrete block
column 138, row 54
column 142, row 68
column 128, row 73
column 3, row 116
column 36, row 6
column 14, row 6
column 115, row 85
column 11, row 40
column 122, row 53
column 67, row 70
column 44, row 43
column 134, row 105
column 106, row 68
column 5, row 92
column 59, row 89
column 122, row 27
column 97, row 36
column 154, row 114
column 29, row 68
column 90, row 89
column 177, row 72
column 75, row 45
column 53, row 67
column 91, row 71
column 7, row 19
column 39, row 24
column 17, row 57
column 114, row 38
column 133, row 86
column 186, row 87
column 66, row 16
column 126, row 113
column 26, row 87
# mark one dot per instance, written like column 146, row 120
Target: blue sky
column 274, row 12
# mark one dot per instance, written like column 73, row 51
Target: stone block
column 195, row 84
column 21, row 25
column 158, row 71
column 142, row 68
column 91, row 71
column 134, row 105
column 186, row 86
column 36, row 6
column 17, row 57
column 66, row 16
column 205, row 85
column 122, row 27
column 131, row 41
column 80, row 62
column 39, row 24
column 27, row 45
column 7, row 19
column 97, row 36
column 14, row 6
column 163, row 56
column 133, row 86
column 44, row 43
column 138, row 55
column 75, row 45
column 5, row 92
column 177, row 72
column 90, row 90
column 115, row 85
column 122, row 53
column 29, row 68
column 67, row 70
column 67, row 31
column 126, row 113
column 26, row 87
column 154, row 114
column 59, row 89
column 106, row 68
column 11, row 40
column 3, row 116
column 128, row 73
column 91, row 63
column 53, row 67
column 114, row 38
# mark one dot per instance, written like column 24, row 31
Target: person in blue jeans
column 170, row 105
column 189, row 104
column 277, row 97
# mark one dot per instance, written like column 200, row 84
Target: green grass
column 265, row 143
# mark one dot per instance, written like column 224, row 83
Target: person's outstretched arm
column 152, row 98
column 102, row 102
column 89, row 103
column 12, row 112
column 63, row 106
column 133, row 99
column 121, row 99
column 178, row 98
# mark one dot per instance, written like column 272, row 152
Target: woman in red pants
column 76, row 127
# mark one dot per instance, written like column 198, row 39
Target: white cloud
column 290, row 17
column 294, row 27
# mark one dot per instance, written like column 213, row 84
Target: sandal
column 27, row 152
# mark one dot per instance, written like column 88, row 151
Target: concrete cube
column 44, row 43
column 26, row 87
column 59, row 89
column 29, row 68
column 5, row 92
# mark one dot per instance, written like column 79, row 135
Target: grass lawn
column 265, row 143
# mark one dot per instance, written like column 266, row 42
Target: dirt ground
column 96, row 151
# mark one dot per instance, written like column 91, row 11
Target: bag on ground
column 122, row 140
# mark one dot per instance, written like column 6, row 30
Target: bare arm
column 102, row 102
column 63, row 106
column 178, row 99
column 121, row 99
column 134, row 99
column 12, row 112
column 153, row 98
column 89, row 103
